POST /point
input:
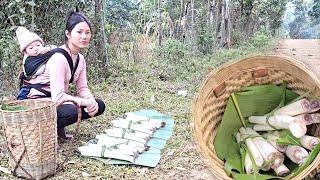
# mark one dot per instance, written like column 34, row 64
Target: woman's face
column 80, row 35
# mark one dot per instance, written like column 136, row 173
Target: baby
column 32, row 47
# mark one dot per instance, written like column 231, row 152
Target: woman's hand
column 93, row 108
column 90, row 104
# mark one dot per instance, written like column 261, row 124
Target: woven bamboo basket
column 31, row 138
column 210, row 103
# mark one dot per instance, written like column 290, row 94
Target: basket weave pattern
column 212, row 98
column 31, row 138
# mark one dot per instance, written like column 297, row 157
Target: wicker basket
column 212, row 98
column 31, row 138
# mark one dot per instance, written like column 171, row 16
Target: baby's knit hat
column 26, row 37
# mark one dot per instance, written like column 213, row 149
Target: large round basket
column 212, row 98
column 31, row 138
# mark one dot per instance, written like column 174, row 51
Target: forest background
column 144, row 52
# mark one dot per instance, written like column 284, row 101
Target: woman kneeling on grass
column 58, row 75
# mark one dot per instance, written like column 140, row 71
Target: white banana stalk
column 297, row 127
column 309, row 118
column 309, row 142
column 257, row 157
column 281, row 170
column 299, row 107
column 262, row 127
column 273, row 158
column 297, row 154
column 314, row 106
column 272, row 139
column 248, row 166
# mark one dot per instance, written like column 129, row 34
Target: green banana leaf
column 238, row 176
column 254, row 100
column 286, row 138
column 10, row 107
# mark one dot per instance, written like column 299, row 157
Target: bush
column 172, row 50
column 260, row 38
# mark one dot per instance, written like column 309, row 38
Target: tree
column 160, row 23
column 101, row 40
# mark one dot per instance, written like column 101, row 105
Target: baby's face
column 34, row 48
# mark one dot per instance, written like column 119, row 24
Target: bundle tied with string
column 212, row 98
column 30, row 133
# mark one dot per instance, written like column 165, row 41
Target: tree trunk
column 179, row 27
column 218, row 19
column 211, row 4
column 248, row 19
column 101, row 42
column 228, row 22
column 222, row 25
column 159, row 23
column 192, row 37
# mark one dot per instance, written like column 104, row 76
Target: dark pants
column 67, row 114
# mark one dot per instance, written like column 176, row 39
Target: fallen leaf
column 181, row 168
column 5, row 170
column 84, row 174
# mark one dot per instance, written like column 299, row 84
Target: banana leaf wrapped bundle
column 144, row 119
column 105, row 140
column 128, row 134
column 115, row 152
column 136, row 126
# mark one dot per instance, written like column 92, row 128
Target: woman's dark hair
column 75, row 18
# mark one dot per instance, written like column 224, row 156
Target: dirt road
column 305, row 50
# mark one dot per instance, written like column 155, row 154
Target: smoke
column 302, row 19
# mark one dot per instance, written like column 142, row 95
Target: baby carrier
column 32, row 64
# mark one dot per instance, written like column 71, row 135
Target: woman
column 58, row 72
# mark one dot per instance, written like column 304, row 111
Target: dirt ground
column 304, row 50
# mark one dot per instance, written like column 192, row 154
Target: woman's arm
column 83, row 90
column 82, row 83
column 59, row 78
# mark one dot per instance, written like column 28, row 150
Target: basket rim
column 216, row 70
column 33, row 109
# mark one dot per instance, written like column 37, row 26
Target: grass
column 146, row 85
